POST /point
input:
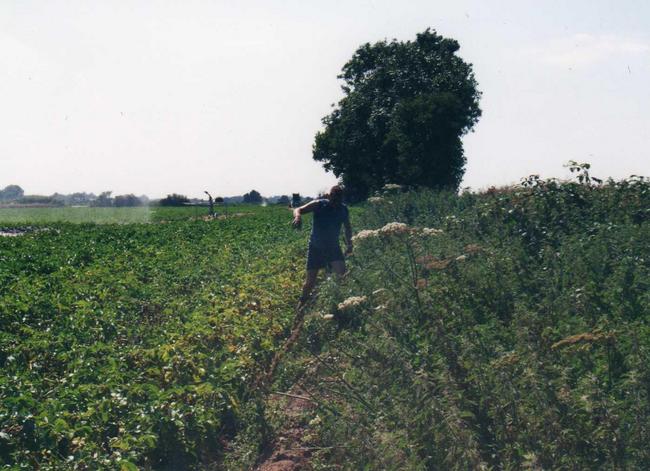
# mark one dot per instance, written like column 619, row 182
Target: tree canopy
column 253, row 197
column 103, row 200
column 127, row 201
column 405, row 109
column 11, row 193
column 174, row 199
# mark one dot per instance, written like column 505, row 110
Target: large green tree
column 405, row 109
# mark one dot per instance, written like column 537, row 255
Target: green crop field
column 128, row 345
column 74, row 215
column 85, row 214
column 508, row 329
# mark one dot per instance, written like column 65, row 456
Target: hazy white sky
column 157, row 97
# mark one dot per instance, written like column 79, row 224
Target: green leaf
column 60, row 426
column 128, row 466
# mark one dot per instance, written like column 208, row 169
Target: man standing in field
column 329, row 215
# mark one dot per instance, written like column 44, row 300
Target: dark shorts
column 320, row 257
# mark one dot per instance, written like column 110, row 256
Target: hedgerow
column 508, row 329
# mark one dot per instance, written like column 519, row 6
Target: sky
column 154, row 97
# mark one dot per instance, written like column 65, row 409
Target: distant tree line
column 105, row 200
column 174, row 200
column 15, row 195
column 252, row 197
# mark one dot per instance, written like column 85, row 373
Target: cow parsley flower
column 392, row 187
column 352, row 302
column 395, row 228
column 430, row 231
column 364, row 234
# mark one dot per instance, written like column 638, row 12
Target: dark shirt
column 327, row 223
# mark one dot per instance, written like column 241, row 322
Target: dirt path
column 290, row 450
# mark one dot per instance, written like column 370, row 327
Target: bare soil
column 290, row 451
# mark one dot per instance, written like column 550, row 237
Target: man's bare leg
column 308, row 287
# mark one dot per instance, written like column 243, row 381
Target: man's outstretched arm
column 305, row 208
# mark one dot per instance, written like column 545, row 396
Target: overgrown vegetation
column 502, row 330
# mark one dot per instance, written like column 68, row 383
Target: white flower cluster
column 430, row 231
column 365, row 234
column 395, row 229
column 375, row 199
column 352, row 302
column 392, row 187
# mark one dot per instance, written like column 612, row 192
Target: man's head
column 336, row 195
